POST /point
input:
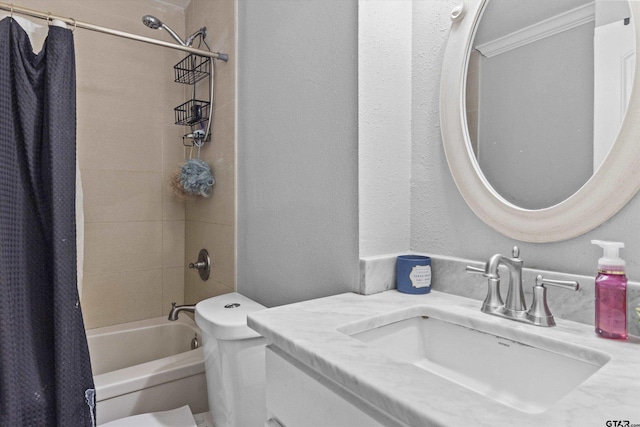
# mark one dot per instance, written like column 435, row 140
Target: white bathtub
column 147, row 366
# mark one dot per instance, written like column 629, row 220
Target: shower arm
column 176, row 37
column 188, row 42
column 202, row 32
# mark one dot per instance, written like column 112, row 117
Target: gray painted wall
column 297, row 158
column 441, row 222
column 297, row 235
column 535, row 118
column 608, row 11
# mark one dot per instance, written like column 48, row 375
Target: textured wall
column 384, row 125
column 441, row 222
column 297, row 149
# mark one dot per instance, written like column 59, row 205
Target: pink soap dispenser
column 611, row 292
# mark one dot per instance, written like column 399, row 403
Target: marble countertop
column 309, row 332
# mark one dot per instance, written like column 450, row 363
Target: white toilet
column 234, row 360
column 234, row 367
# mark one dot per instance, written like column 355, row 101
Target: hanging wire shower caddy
column 195, row 113
column 195, row 177
column 192, row 69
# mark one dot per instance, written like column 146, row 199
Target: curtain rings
column 75, row 24
column 12, row 11
column 49, row 19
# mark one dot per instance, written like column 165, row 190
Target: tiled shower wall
column 210, row 223
column 127, row 145
column 134, row 258
column 138, row 235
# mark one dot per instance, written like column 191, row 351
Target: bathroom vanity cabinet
column 393, row 359
column 297, row 396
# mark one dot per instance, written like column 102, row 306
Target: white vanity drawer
column 299, row 397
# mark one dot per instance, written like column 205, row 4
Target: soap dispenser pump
column 611, row 292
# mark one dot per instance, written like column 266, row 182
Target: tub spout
column 176, row 309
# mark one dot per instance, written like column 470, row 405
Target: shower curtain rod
column 85, row 25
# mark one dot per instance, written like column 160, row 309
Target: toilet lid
column 225, row 317
column 180, row 417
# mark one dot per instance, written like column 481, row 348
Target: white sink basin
column 529, row 379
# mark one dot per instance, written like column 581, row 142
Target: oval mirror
column 535, row 126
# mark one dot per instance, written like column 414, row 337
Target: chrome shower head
column 151, row 22
column 155, row 24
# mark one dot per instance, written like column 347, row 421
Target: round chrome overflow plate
column 232, row 305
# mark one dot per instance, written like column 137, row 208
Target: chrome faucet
column 515, row 307
column 515, row 295
column 176, row 309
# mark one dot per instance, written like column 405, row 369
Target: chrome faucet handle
column 480, row 271
column 474, row 270
column 539, row 313
column 493, row 300
column 566, row 284
column 203, row 265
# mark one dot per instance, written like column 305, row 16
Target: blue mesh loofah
column 196, row 178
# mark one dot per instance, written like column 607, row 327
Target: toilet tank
column 234, row 358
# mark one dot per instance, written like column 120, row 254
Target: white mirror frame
column 608, row 190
